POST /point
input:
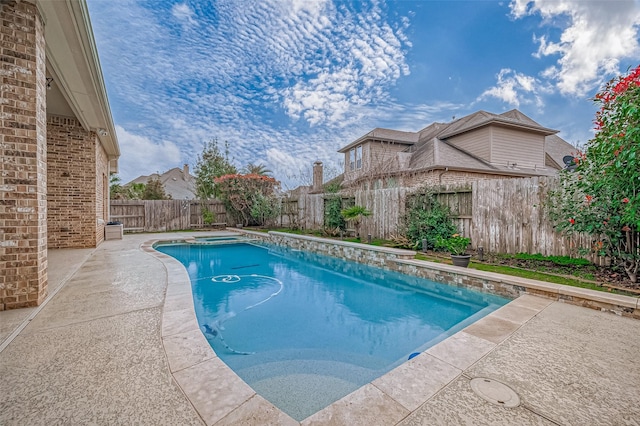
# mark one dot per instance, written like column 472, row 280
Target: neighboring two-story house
column 177, row 182
column 481, row 145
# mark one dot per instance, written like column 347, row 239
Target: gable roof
column 513, row 118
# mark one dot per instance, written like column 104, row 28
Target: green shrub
column 427, row 219
column 208, row 217
column 264, row 208
column 333, row 217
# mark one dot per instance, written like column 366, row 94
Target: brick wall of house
column 23, row 152
column 72, row 184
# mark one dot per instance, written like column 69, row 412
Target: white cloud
column 360, row 57
column 184, row 14
column 596, row 36
column 515, row 88
column 248, row 69
column 313, row 7
column 142, row 156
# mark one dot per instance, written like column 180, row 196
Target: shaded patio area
column 93, row 353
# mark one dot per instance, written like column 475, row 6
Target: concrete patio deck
column 109, row 348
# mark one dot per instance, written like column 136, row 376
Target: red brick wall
column 23, row 151
column 72, row 184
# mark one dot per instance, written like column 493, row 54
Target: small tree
column 154, row 190
column 354, row 215
column 211, row 164
column 601, row 195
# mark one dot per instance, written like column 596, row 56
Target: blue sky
column 289, row 82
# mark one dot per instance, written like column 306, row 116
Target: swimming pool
column 305, row 330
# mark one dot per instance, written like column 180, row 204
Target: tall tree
column 256, row 169
column 212, row 163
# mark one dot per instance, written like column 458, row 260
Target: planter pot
column 461, row 260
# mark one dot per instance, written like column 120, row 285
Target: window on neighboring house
column 355, row 158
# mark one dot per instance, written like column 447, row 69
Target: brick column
column 23, row 148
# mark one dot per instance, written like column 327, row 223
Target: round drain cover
column 495, row 392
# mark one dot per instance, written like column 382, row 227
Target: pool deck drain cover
column 495, row 392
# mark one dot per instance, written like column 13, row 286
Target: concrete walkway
column 94, row 354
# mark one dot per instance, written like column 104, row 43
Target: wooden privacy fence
column 387, row 207
column 311, row 211
column 163, row 215
column 501, row 215
column 509, row 216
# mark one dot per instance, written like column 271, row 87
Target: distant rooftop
column 177, row 182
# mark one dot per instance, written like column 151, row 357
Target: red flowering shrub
column 602, row 196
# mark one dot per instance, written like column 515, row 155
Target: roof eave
column 72, row 54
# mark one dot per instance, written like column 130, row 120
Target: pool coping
column 388, row 399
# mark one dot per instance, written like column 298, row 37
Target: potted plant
column 457, row 246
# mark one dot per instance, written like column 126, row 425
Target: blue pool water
column 304, row 330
